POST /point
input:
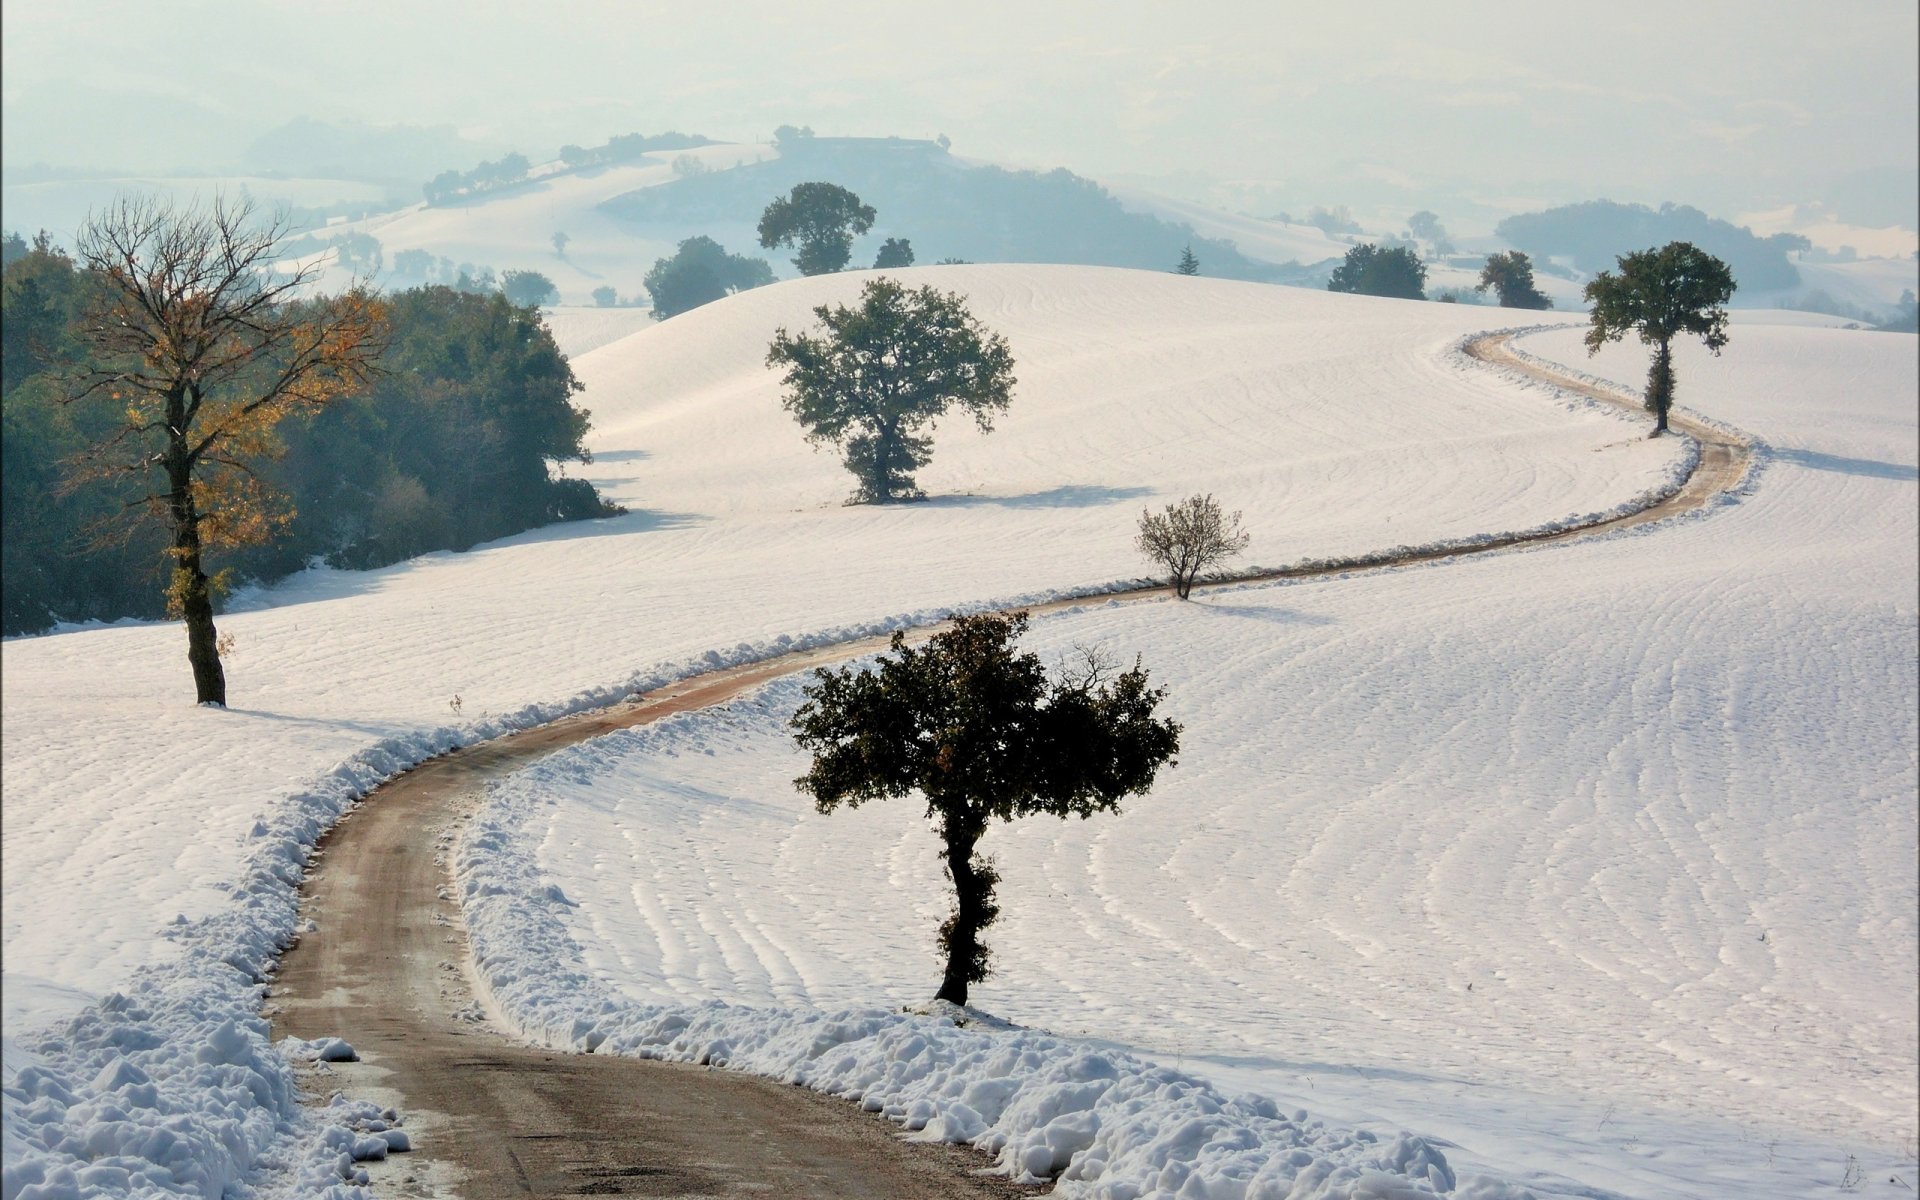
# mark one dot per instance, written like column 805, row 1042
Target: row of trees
column 1396, row 271
column 179, row 417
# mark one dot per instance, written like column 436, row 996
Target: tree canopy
column 1371, row 270
column 450, row 445
column 1510, row 275
column 822, row 219
column 894, row 252
column 1188, row 264
column 701, row 272
column 528, row 289
column 978, row 729
column 886, row 370
column 200, row 350
column 1661, row 294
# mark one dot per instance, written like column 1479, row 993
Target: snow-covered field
column 1340, row 425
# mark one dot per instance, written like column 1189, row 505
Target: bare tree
column 201, row 347
column 1188, row 538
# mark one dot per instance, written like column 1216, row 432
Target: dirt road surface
column 388, row 970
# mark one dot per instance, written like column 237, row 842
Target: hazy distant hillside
column 946, row 207
column 1592, row 235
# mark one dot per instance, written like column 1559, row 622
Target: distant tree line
column 449, row 446
column 449, row 186
column 1594, row 234
column 628, row 146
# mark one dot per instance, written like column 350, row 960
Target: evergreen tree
column 1188, row 264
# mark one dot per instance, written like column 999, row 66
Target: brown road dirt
column 387, row 969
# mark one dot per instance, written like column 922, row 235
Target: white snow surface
column 151, row 848
column 1598, row 861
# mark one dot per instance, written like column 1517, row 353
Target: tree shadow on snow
column 1870, row 468
column 1073, row 495
column 1258, row 612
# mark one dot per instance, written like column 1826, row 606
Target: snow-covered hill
column 146, row 842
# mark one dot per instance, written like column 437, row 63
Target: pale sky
column 1488, row 106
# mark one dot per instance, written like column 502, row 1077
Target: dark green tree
column 1188, row 264
column 1370, row 270
column 886, row 370
column 605, row 297
column 1510, row 275
column 701, row 272
column 978, row 729
column 894, row 252
column 528, row 289
column 822, row 219
column 1661, row 294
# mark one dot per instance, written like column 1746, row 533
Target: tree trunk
column 974, row 909
column 192, row 592
column 1660, row 386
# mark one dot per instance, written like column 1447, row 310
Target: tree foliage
column 822, row 219
column 449, row 446
column 701, row 272
column 894, row 252
column 885, row 371
column 1371, row 270
column 1661, row 294
column 979, row 730
column 202, row 350
column 528, row 289
column 1188, row 264
column 1510, row 275
column 1189, row 537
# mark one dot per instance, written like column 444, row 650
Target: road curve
column 387, row 969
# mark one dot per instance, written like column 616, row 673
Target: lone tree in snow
column 981, row 732
column 1661, row 294
column 1188, row 538
column 822, row 219
column 199, row 349
column 1369, row 270
column 886, row 370
column 894, row 252
column 1510, row 275
column 1188, row 264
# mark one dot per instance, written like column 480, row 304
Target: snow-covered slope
column 1340, row 425
column 513, row 230
column 1598, row 861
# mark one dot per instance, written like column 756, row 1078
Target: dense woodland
column 451, row 446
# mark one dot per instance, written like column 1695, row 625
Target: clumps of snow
column 173, row 1088
column 1099, row 1124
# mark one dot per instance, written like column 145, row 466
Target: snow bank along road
column 388, row 969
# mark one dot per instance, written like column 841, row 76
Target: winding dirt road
column 387, row 969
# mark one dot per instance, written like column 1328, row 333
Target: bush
column 1189, row 537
